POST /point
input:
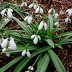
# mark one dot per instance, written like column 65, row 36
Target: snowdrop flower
column 3, row 12
column 35, row 38
column 41, row 25
column 7, row 54
column 69, row 12
column 56, row 15
column 31, row 68
column 9, row 13
column 31, row 5
column 50, row 10
column 6, row 20
column 23, row 4
column 27, row 71
column 67, row 20
column 12, row 44
column 56, row 24
column 28, row 19
column 35, row 6
column 26, row 52
column 4, row 43
column 39, row 10
column 4, row 49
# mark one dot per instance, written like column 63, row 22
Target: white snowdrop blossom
column 35, row 38
column 26, row 52
column 30, row 68
column 41, row 25
column 7, row 54
column 3, row 12
column 6, row 20
column 28, row 19
column 4, row 49
column 56, row 15
column 4, row 43
column 12, row 44
column 23, row 4
column 56, row 24
column 33, row 5
column 9, row 13
column 69, row 12
column 51, row 10
column 27, row 71
column 67, row 20
column 39, row 10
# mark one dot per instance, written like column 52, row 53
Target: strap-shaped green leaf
column 23, row 26
column 50, row 42
column 43, row 64
column 57, row 63
column 11, row 63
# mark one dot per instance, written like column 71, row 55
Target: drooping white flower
column 23, row 53
column 67, row 20
column 41, row 10
column 35, row 38
column 12, row 44
column 4, row 43
column 28, row 19
column 9, row 13
column 69, row 12
column 3, row 12
column 35, row 41
column 28, row 53
column 31, row 68
column 56, row 24
column 41, row 25
column 23, row 4
column 50, row 10
column 37, row 10
column 6, row 20
column 35, row 6
column 7, row 54
column 4, row 49
column 56, row 15
column 31, row 5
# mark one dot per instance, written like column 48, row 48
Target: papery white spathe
column 41, row 25
column 4, row 43
column 28, row 53
column 67, row 20
column 3, row 12
column 9, row 13
column 12, row 44
column 56, row 24
column 23, row 53
column 4, row 49
column 7, row 54
column 69, row 12
column 31, row 5
column 30, row 68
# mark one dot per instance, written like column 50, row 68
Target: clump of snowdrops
column 38, row 37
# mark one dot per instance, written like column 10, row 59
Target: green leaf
column 50, row 42
column 57, row 63
column 11, row 63
column 23, row 26
column 43, row 64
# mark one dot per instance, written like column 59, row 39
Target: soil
column 64, row 54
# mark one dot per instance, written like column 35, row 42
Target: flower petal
column 35, row 41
